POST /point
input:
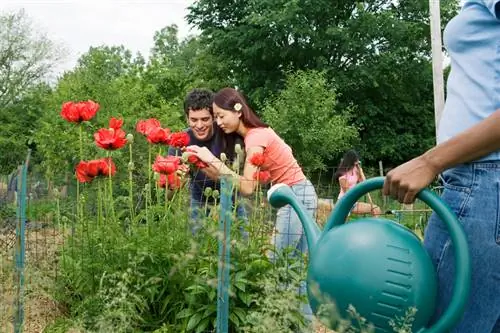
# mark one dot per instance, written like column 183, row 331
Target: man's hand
column 404, row 182
column 211, row 172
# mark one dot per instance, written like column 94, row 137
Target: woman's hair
column 227, row 98
column 347, row 163
column 228, row 142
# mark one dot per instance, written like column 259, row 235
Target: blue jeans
column 196, row 210
column 472, row 191
column 289, row 231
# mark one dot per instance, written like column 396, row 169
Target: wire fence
column 104, row 263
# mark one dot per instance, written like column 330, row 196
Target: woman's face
column 227, row 120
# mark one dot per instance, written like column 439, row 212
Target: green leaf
column 194, row 321
column 202, row 327
column 184, row 313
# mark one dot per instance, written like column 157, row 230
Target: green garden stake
column 224, row 250
column 377, row 265
column 21, row 244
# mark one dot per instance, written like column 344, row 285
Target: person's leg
column 242, row 216
column 363, row 208
column 473, row 193
column 196, row 215
column 307, row 195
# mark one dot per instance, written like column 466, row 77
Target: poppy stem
column 148, row 194
column 112, row 205
column 99, row 202
column 131, row 183
column 79, row 210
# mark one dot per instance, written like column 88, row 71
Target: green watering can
column 377, row 265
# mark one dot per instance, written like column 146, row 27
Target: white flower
column 238, row 106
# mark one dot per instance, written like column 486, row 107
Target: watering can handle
column 462, row 259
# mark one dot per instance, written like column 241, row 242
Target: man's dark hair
column 198, row 99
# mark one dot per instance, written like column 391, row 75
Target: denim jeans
column 196, row 210
column 472, row 191
column 289, row 231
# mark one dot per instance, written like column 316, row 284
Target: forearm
column 469, row 145
column 246, row 186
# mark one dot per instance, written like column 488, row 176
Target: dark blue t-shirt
column 199, row 181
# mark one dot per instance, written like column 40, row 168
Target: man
column 204, row 132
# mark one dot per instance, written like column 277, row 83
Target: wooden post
column 381, row 171
column 437, row 60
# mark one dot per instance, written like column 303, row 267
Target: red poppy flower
column 82, row 173
column 179, row 139
column 145, row 126
column 194, row 160
column 78, row 112
column 158, row 135
column 262, row 176
column 115, row 123
column 86, row 171
column 166, row 165
column 257, row 159
column 110, row 139
column 107, row 167
column 173, row 180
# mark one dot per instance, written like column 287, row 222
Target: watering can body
column 376, row 265
column 377, row 268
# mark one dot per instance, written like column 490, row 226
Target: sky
column 79, row 24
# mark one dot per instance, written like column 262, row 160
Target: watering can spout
column 280, row 195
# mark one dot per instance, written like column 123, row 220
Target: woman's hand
column 404, row 182
column 203, row 153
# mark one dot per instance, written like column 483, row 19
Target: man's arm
column 405, row 181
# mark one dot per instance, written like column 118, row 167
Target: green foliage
column 377, row 53
column 305, row 116
column 157, row 276
column 18, row 124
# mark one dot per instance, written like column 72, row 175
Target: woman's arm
column 405, row 181
column 343, row 184
column 246, row 182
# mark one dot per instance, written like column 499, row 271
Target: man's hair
column 198, row 99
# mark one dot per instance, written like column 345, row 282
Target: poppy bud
column 223, row 157
column 130, row 138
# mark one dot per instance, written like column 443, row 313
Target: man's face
column 201, row 122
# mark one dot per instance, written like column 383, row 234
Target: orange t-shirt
column 278, row 156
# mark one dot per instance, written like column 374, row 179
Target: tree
column 377, row 53
column 26, row 56
column 19, row 122
column 305, row 115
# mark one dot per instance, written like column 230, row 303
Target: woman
column 468, row 158
column 349, row 173
column 233, row 115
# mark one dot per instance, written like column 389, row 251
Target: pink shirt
column 352, row 176
column 278, row 156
